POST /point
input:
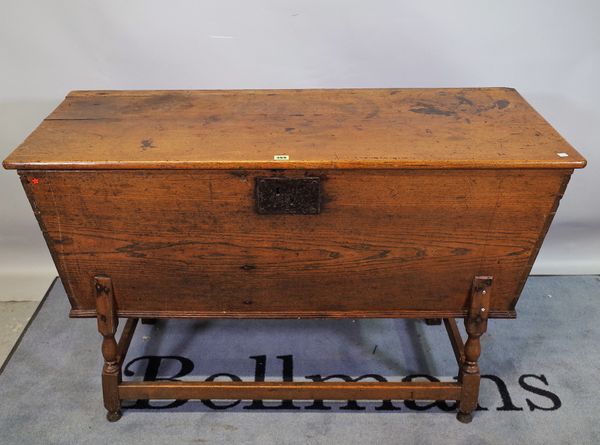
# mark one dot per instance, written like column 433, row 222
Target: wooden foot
column 433, row 321
column 464, row 417
column 107, row 326
column 113, row 416
column 476, row 325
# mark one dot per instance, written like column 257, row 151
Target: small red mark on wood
column 35, row 181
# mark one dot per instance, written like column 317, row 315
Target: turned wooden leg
column 433, row 321
column 107, row 326
column 476, row 325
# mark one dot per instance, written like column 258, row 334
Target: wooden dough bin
column 400, row 203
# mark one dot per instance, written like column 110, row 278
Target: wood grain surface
column 315, row 129
column 387, row 243
column 290, row 390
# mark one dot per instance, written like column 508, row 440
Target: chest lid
column 295, row 129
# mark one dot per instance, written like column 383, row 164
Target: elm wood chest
column 418, row 203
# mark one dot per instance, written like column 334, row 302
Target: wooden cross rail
column 455, row 339
column 290, row 390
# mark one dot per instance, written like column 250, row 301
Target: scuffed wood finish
column 317, row 129
column 387, row 243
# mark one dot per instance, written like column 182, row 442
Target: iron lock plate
column 291, row 196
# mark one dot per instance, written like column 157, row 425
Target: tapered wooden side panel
column 386, row 243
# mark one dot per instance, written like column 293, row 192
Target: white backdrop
column 548, row 50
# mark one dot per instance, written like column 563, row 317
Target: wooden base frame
column 465, row 391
